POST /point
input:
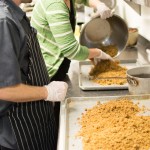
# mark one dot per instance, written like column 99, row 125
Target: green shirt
column 56, row 38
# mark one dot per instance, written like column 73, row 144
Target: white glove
column 148, row 51
column 103, row 11
column 102, row 56
column 56, row 91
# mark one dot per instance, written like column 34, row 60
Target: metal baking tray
column 72, row 109
column 86, row 84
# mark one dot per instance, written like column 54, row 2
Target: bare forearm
column 23, row 93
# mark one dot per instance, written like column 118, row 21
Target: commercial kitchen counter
column 137, row 54
column 69, row 114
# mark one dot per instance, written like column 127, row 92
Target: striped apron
column 33, row 123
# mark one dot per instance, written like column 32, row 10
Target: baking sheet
column 72, row 109
column 86, row 84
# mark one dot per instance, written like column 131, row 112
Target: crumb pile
column 106, row 69
column 112, row 50
column 115, row 125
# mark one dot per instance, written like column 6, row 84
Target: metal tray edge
column 63, row 114
column 103, row 87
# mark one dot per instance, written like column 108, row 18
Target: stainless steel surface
column 136, row 82
column 72, row 109
column 86, row 84
column 137, row 53
column 99, row 32
column 75, row 91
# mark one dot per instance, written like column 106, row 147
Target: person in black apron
column 64, row 67
column 25, row 125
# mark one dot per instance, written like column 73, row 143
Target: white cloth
column 56, row 91
column 103, row 11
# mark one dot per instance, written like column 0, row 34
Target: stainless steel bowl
column 112, row 31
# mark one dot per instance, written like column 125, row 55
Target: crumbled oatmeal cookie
column 115, row 125
column 107, row 68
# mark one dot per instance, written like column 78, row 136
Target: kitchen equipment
column 133, row 37
column 99, row 33
column 139, row 80
column 86, row 84
column 72, row 108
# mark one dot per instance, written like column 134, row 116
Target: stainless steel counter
column 136, row 53
column 71, row 111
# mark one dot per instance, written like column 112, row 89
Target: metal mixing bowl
column 112, row 31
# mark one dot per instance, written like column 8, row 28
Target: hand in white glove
column 56, row 91
column 103, row 11
column 102, row 56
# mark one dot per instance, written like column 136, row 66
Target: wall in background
column 135, row 16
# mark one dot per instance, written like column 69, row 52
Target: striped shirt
column 55, row 35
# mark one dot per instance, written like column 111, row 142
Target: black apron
column 33, row 123
column 4, row 148
column 64, row 67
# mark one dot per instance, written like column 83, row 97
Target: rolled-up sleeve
column 9, row 50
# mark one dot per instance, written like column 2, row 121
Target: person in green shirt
column 55, row 23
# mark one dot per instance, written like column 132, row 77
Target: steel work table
column 137, row 54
